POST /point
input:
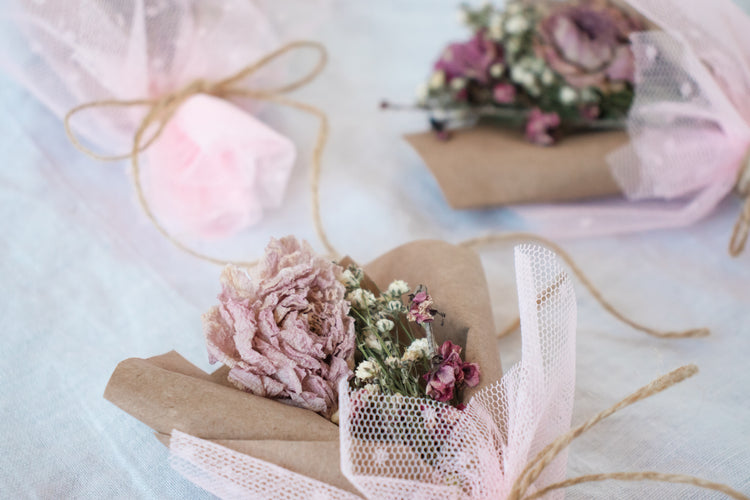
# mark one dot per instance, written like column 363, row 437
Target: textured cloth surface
column 85, row 282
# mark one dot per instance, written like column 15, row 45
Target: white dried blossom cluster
column 367, row 370
column 418, row 350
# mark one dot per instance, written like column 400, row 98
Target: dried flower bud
column 395, row 306
column 516, row 25
column 373, row 342
column 417, row 350
column 397, row 288
column 372, row 388
column 392, row 362
column 385, row 325
column 366, row 370
column 437, row 80
column 361, row 298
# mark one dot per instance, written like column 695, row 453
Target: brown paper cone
column 486, row 166
column 165, row 399
column 167, row 392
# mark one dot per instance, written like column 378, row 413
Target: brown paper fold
column 487, row 165
column 167, row 392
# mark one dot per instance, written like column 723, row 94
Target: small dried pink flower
column 451, row 374
column 441, row 383
column 421, row 310
column 504, row 93
column 471, row 60
column 540, row 125
column 285, row 333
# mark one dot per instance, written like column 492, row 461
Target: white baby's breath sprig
column 517, row 24
column 437, row 80
column 367, row 370
column 567, row 95
column 385, row 325
column 397, row 288
column 419, row 349
column 360, row 298
column 373, row 342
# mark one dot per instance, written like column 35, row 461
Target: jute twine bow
column 536, row 466
column 162, row 109
column 742, row 226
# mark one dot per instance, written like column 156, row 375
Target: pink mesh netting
column 229, row 474
column 394, row 447
column 688, row 125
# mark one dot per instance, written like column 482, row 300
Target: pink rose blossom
column 285, row 333
column 539, row 126
column 504, row 93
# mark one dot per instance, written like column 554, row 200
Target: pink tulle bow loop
column 215, row 168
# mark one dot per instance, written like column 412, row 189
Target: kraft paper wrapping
column 167, row 392
column 487, row 165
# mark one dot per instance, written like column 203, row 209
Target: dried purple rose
column 285, row 333
column 587, row 43
column 470, row 60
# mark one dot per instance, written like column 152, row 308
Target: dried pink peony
column 285, row 333
column 587, row 43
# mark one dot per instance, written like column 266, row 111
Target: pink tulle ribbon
column 477, row 453
column 689, row 125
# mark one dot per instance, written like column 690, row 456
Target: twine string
column 162, row 109
column 742, row 225
column 535, row 467
column 606, row 305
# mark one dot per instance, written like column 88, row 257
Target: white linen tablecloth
column 78, row 293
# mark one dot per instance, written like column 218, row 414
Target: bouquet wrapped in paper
column 667, row 77
column 335, row 388
column 253, row 431
column 533, row 74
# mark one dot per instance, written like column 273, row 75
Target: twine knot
column 161, row 110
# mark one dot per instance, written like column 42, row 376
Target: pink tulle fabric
column 477, row 453
column 216, row 168
column 689, row 125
